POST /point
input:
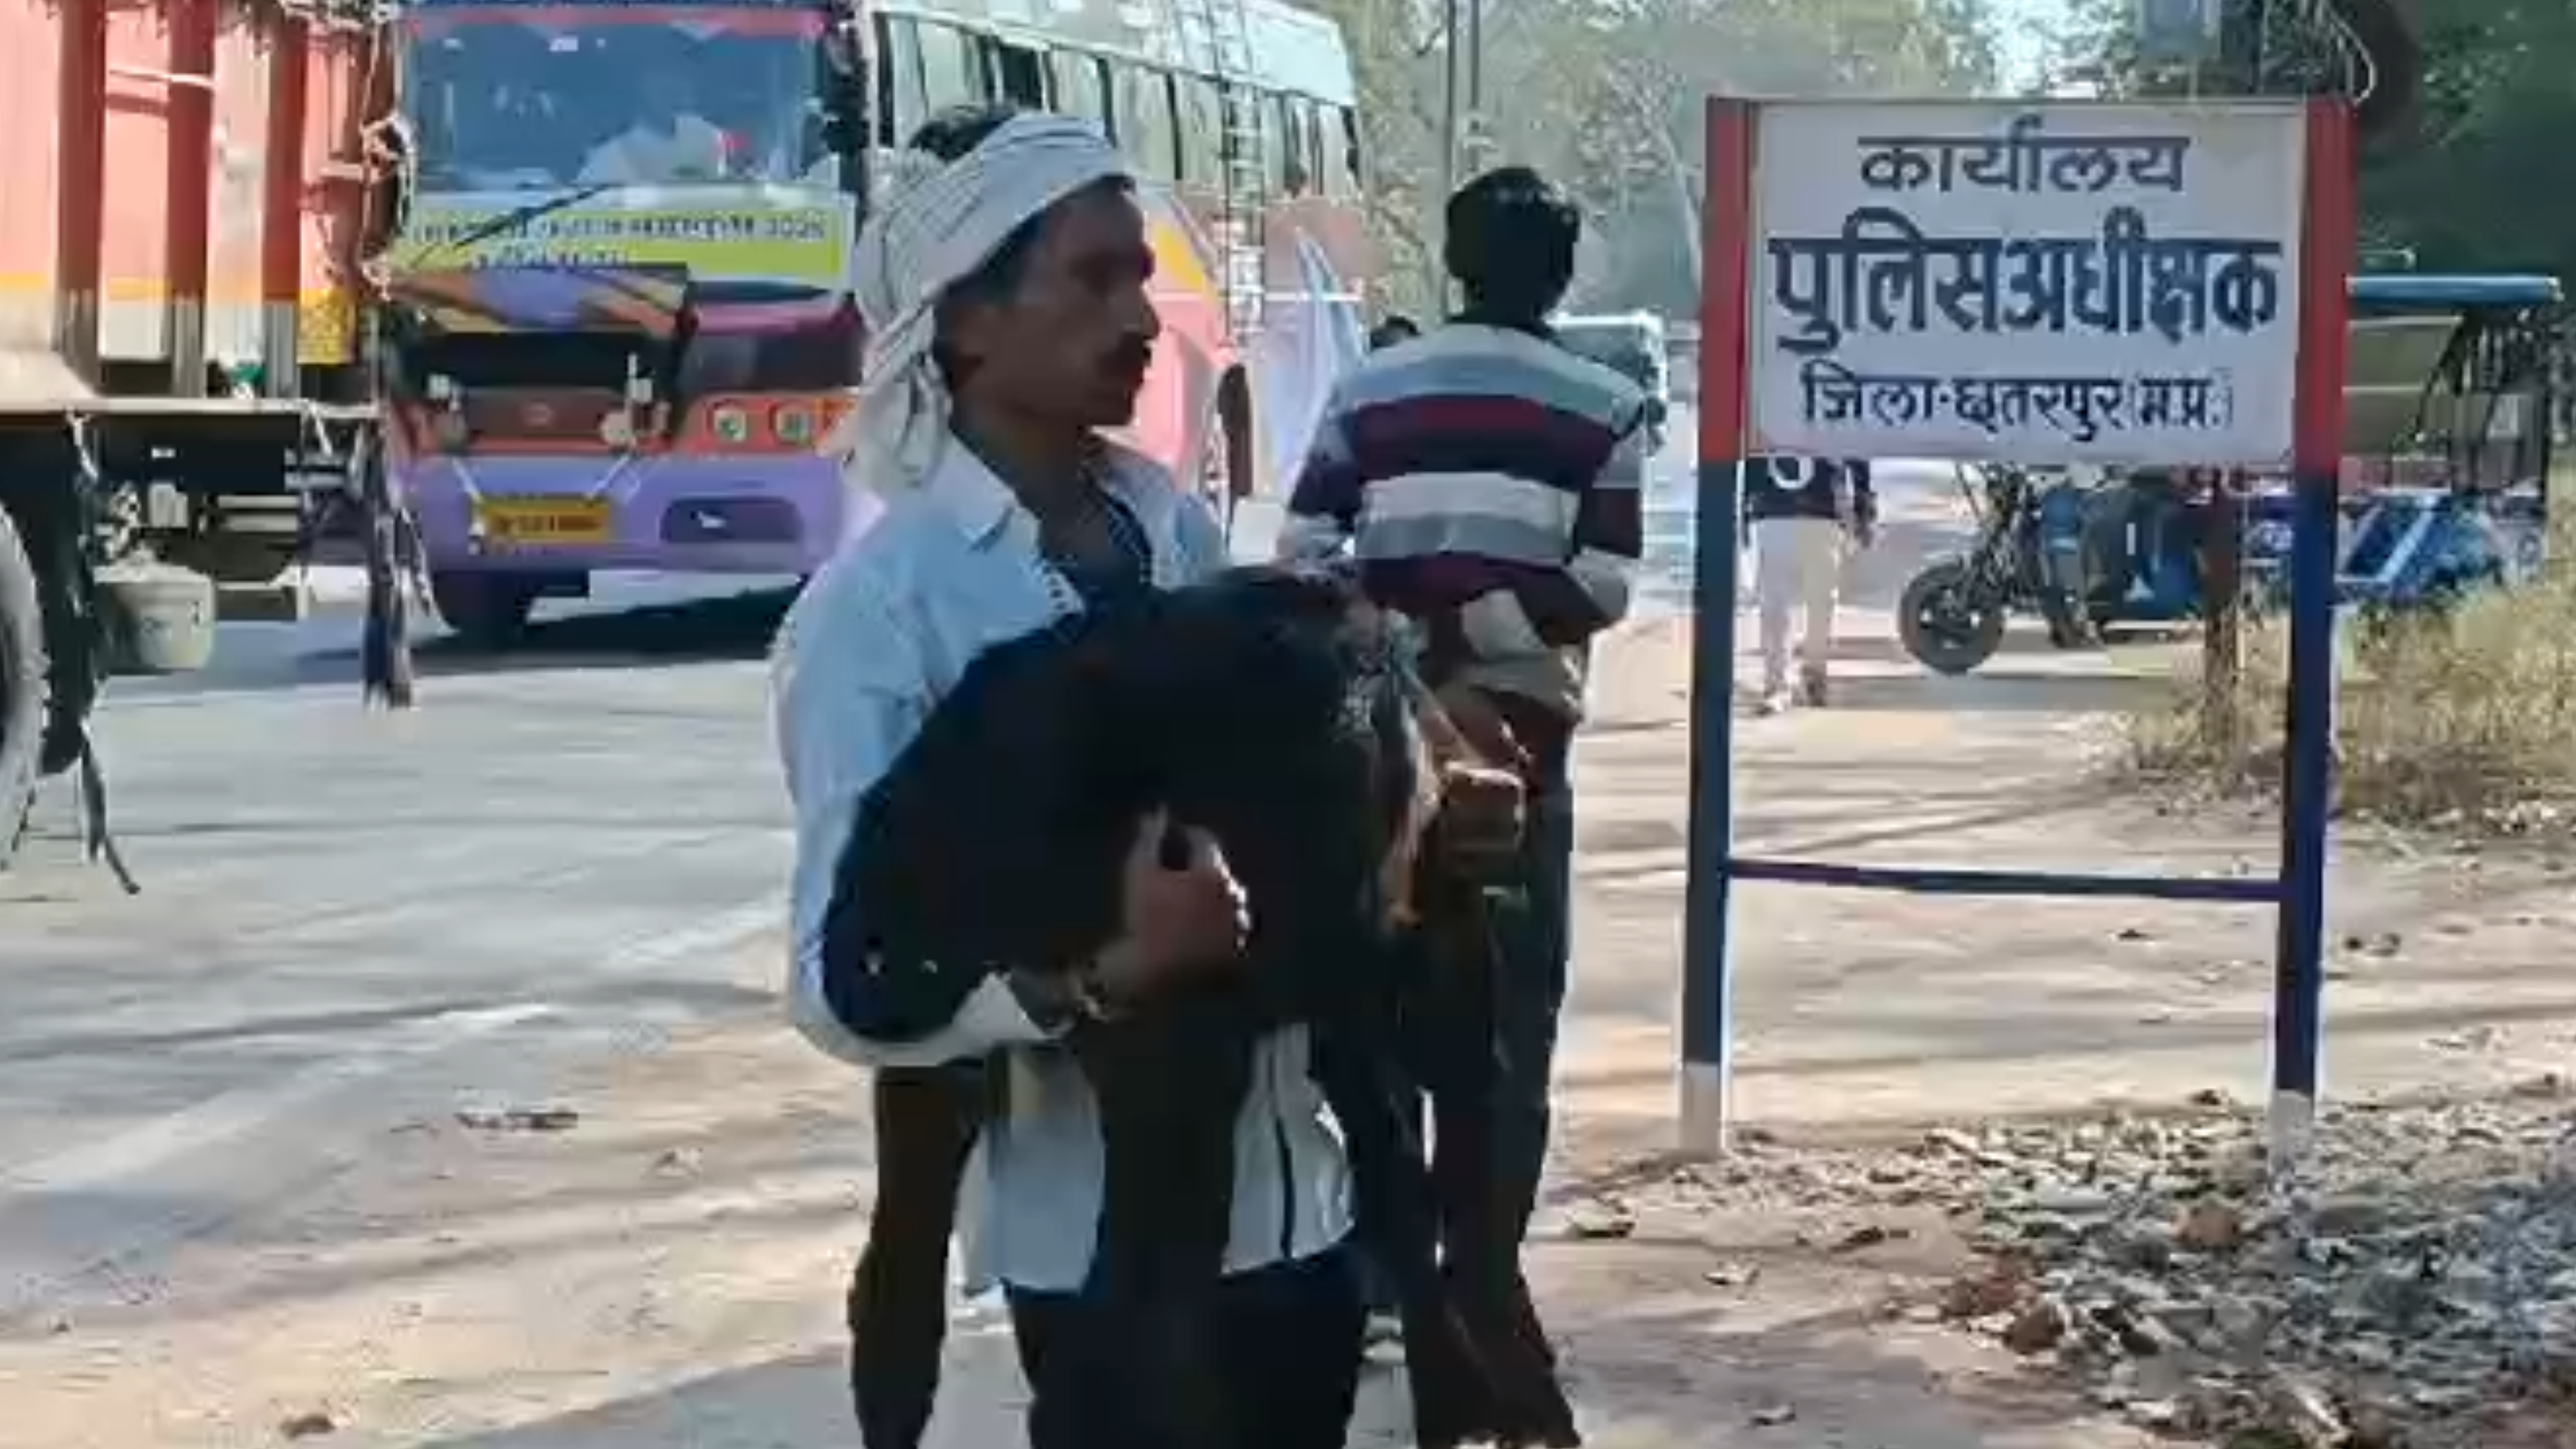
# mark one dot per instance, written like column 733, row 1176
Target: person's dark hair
column 1510, row 243
column 1396, row 328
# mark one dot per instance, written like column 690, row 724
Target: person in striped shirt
column 1487, row 477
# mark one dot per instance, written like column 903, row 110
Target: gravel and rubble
column 2411, row 1285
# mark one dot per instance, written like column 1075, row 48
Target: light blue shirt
column 944, row 572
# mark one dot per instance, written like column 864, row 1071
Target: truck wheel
column 487, row 611
column 24, row 684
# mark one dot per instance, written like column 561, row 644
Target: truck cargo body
column 184, row 178
column 183, row 320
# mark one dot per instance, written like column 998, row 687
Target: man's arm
column 847, row 697
column 1610, row 529
column 1324, row 505
column 1864, row 498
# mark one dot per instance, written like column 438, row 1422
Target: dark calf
column 1277, row 711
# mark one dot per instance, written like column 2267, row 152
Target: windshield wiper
column 517, row 217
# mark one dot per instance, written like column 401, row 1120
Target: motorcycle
column 1953, row 612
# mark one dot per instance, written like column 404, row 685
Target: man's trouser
column 1536, row 943
column 1797, row 573
column 1286, row 1353
column 1534, row 930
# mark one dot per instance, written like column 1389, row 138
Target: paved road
column 351, row 916
column 344, row 910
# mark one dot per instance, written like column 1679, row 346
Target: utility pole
column 2242, row 66
column 2243, row 62
column 1449, row 98
column 1479, row 133
column 1462, row 100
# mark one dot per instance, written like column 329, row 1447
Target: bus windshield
column 535, row 97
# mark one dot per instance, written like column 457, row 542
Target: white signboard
column 2045, row 283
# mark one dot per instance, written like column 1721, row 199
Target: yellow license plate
column 544, row 522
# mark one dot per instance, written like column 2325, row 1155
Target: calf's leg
column 1455, row 1032
column 1170, row 1083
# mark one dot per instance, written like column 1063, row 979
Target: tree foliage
column 1608, row 97
column 2472, row 186
column 2466, row 181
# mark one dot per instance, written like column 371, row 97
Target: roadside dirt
column 664, row 1270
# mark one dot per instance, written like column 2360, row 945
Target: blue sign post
column 1788, row 358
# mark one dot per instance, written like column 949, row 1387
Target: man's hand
column 1181, row 910
column 1480, row 821
column 1474, row 722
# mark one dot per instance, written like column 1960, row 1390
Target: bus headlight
column 794, row 424
column 731, row 425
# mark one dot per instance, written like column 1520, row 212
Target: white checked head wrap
column 935, row 223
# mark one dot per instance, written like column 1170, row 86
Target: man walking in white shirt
column 1802, row 516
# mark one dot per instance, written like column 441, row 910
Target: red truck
column 189, row 204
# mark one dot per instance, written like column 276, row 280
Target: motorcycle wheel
column 1946, row 621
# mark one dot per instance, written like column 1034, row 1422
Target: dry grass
column 2464, row 720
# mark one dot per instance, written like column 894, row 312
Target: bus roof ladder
column 1226, row 32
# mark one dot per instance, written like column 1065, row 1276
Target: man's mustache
column 1130, row 359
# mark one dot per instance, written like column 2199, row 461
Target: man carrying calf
column 1003, row 282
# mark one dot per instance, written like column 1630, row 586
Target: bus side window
column 1082, row 88
column 1268, row 153
column 1202, row 132
column 1297, row 165
column 1145, row 122
column 949, row 73
column 1018, row 74
column 903, row 105
column 1341, row 150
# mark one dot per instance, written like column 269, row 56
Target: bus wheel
column 487, row 611
column 1225, row 460
column 24, row 684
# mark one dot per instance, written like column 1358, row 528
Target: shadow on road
column 699, row 631
column 1814, row 1343
column 738, row 627
column 1996, row 691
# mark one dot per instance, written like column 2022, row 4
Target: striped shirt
column 1488, row 480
